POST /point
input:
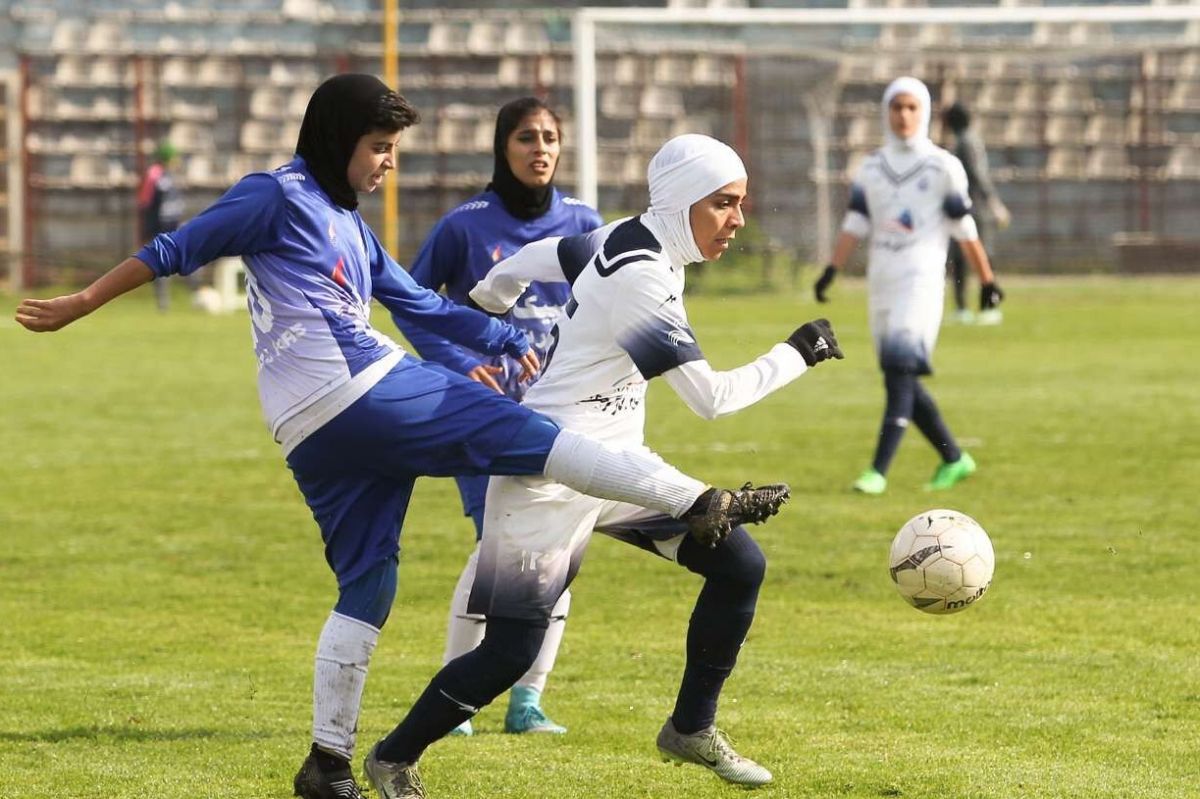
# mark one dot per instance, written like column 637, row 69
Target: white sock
column 464, row 631
column 535, row 678
column 343, row 653
column 593, row 468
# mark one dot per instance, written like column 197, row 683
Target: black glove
column 815, row 342
column 824, row 282
column 989, row 296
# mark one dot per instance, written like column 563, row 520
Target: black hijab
column 519, row 200
column 338, row 114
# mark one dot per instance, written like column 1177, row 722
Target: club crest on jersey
column 497, row 255
column 902, row 223
column 331, row 232
column 923, row 183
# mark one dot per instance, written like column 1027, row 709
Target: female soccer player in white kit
column 624, row 325
column 910, row 197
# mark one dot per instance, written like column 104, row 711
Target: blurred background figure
column 987, row 208
column 160, row 208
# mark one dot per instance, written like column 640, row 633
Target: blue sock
column 464, row 686
column 931, row 424
column 901, row 392
column 720, row 621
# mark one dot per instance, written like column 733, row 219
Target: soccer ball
column 942, row 561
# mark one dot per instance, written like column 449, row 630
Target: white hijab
column 684, row 171
column 903, row 153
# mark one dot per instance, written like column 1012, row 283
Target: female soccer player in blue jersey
column 519, row 206
column 357, row 419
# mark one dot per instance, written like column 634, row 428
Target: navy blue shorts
column 357, row 471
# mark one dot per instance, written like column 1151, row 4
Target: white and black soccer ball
column 942, row 561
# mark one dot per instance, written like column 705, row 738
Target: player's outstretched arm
column 44, row 316
column 505, row 282
column 710, row 393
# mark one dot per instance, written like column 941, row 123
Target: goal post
column 796, row 91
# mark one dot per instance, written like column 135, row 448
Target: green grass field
column 162, row 586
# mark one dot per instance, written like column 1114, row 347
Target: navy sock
column 901, row 391
column 464, row 686
column 931, row 424
column 720, row 621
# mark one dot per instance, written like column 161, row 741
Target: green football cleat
column 710, row 748
column 871, row 482
column 949, row 474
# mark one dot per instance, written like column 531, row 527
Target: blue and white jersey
column 312, row 269
column 464, row 246
column 624, row 325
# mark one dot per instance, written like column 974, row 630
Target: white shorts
column 905, row 326
column 535, row 532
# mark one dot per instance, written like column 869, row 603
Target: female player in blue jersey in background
column 357, row 419
column 520, row 205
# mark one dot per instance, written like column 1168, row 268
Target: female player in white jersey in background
column 519, row 206
column 910, row 197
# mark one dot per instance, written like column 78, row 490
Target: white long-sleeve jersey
column 624, row 325
column 909, row 203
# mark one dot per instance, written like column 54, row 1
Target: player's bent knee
column 368, row 598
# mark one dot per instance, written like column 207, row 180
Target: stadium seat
column 630, row 70
column 1185, row 95
column 619, row 102
column 1023, row 130
column 864, row 131
column 217, row 71
column 1070, row 95
column 1028, row 96
column 672, row 69
column 88, row 169
column 1065, row 129
column 710, row 70
column 70, row 35
column 659, row 101
column 1065, row 162
column 177, row 72
column 1183, row 163
column 266, row 102
column 526, row 37
column 485, row 37
column 649, row 134
column 1110, row 163
column 514, row 71
column 70, row 69
column 447, row 37
column 104, row 36
column 1104, row 129
column 191, row 136
column 259, row 135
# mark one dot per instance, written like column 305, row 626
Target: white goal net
column 1090, row 115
